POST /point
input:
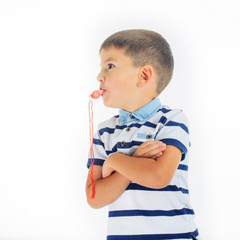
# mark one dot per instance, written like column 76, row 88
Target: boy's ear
column 145, row 75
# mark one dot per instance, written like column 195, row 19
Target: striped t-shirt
column 142, row 213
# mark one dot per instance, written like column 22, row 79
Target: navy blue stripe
column 176, row 143
column 195, row 233
column 114, row 149
column 106, row 129
column 183, row 167
column 168, row 141
column 126, row 145
column 169, row 236
column 184, row 190
column 177, row 124
column 98, row 142
column 111, row 130
column 150, row 213
column 169, row 188
column 164, row 110
column 121, row 127
column 163, row 120
column 129, row 144
column 97, row 161
column 149, row 124
column 137, row 125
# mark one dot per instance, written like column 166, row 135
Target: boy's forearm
column 143, row 171
column 107, row 190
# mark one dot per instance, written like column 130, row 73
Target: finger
column 162, row 144
column 154, row 150
column 155, row 145
column 143, row 148
column 147, row 143
column 153, row 142
column 152, row 153
column 157, row 155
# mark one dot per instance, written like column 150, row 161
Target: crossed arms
column 152, row 165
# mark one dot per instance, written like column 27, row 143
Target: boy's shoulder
column 172, row 113
column 110, row 122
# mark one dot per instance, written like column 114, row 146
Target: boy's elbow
column 93, row 204
column 159, row 181
column 91, row 201
column 161, row 184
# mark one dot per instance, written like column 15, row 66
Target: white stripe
column 155, row 225
column 180, row 179
column 139, row 199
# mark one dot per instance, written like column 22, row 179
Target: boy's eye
column 110, row 65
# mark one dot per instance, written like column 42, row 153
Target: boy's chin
column 110, row 105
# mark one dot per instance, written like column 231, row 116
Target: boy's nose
column 100, row 78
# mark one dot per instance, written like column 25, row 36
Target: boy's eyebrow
column 109, row 59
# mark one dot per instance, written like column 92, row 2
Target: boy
column 141, row 155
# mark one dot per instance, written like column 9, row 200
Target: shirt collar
column 141, row 114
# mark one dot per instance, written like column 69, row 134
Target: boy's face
column 118, row 78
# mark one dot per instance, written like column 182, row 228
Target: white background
column 48, row 66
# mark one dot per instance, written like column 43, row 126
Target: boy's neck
column 137, row 105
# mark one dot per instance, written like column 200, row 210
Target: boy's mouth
column 103, row 91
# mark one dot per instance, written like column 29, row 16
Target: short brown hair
column 145, row 47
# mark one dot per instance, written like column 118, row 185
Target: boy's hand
column 150, row 149
column 106, row 169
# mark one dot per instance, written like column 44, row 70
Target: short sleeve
column 175, row 131
column 99, row 151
